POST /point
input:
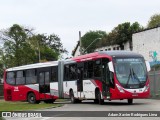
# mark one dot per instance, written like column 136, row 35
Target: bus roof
column 31, row 66
column 117, row 53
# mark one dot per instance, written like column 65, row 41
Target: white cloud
column 66, row 17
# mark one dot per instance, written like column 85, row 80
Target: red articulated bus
column 99, row 76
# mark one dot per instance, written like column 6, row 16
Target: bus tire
column 130, row 101
column 101, row 101
column 31, row 98
column 96, row 100
column 73, row 100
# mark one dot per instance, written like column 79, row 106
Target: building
column 147, row 43
column 76, row 51
column 126, row 46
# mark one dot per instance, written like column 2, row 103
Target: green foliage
column 16, row 49
column 91, row 39
column 155, row 67
column 50, row 46
column 154, row 21
column 21, row 46
column 23, row 106
column 122, row 33
column 119, row 35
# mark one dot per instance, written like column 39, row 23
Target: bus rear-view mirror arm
column 148, row 66
column 110, row 65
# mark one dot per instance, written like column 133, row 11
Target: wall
column 107, row 48
column 114, row 47
column 147, row 43
column 154, row 77
column 126, row 46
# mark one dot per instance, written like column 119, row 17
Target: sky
column 66, row 18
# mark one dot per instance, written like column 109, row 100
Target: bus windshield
column 130, row 71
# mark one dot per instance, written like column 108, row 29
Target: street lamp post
column 91, row 44
column 39, row 54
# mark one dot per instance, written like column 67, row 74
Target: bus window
column 46, row 77
column 73, row 72
column 20, row 79
column 97, row 68
column 31, row 77
column 90, row 69
column 11, row 78
column 70, row 72
column 85, row 73
column 54, row 74
column 66, row 72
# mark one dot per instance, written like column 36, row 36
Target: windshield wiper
column 135, row 75
column 130, row 75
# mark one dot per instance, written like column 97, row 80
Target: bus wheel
column 96, row 100
column 101, row 101
column 31, row 98
column 73, row 100
column 130, row 101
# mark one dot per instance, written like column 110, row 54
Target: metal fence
column 155, row 83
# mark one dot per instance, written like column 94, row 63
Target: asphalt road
column 86, row 106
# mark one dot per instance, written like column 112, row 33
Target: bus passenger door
column 105, row 79
column 44, row 83
column 80, row 79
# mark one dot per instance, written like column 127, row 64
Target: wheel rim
column 32, row 98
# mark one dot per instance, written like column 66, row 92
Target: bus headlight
column 146, row 88
column 120, row 88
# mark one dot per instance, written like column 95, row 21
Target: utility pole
column 80, row 43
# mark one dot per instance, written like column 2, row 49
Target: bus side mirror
column 110, row 65
column 148, row 66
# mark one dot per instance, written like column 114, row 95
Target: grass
column 2, row 118
column 23, row 106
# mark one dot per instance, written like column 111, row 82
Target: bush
column 155, row 67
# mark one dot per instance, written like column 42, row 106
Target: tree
column 2, row 63
column 90, row 37
column 103, row 42
column 50, row 46
column 154, row 21
column 20, row 46
column 16, row 50
column 123, row 33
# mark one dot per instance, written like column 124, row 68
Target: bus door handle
column 66, row 84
